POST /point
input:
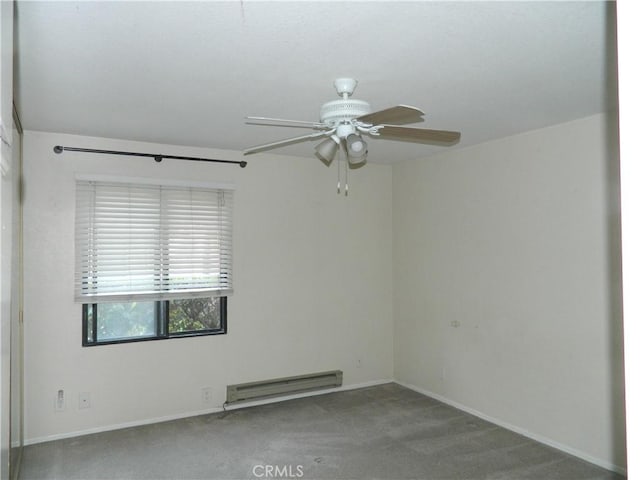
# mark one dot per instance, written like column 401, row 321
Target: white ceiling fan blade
column 398, row 115
column 418, row 135
column 283, row 122
column 287, row 141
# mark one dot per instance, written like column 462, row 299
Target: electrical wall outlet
column 207, row 395
column 59, row 404
column 84, row 400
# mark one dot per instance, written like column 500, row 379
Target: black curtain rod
column 156, row 156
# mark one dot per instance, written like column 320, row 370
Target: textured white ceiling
column 188, row 73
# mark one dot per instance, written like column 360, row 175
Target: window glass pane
column 89, row 323
column 194, row 314
column 126, row 320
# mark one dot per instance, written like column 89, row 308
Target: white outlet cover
column 84, row 400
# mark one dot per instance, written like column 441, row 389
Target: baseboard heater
column 283, row 386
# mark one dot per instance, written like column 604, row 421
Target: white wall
column 312, row 283
column 507, row 283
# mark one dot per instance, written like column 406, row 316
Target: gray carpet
column 382, row 432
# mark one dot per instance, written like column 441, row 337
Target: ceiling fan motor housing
column 338, row 111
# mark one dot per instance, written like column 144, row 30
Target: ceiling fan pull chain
column 338, row 162
column 346, row 178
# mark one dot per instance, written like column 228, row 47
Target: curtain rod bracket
column 158, row 158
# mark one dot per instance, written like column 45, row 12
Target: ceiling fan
column 343, row 122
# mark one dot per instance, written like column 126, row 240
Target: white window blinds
column 151, row 242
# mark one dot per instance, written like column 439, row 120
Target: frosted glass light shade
column 327, row 149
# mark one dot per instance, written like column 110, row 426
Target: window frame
column 162, row 326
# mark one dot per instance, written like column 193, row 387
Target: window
column 105, row 323
column 152, row 261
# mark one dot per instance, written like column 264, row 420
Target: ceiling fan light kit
column 328, row 148
column 345, row 121
column 356, row 149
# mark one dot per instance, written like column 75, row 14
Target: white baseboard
column 118, row 426
column 217, row 409
column 533, row 436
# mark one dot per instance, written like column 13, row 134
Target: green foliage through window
column 105, row 323
column 124, row 320
column 194, row 314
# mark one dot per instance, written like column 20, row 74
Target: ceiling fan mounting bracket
column 373, row 130
column 345, row 86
